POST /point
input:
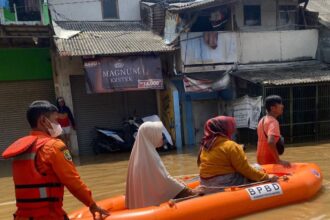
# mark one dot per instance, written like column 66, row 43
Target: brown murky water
column 106, row 174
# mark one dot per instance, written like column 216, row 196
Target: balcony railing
column 36, row 13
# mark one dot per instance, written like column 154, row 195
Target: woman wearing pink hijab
column 148, row 182
column 222, row 162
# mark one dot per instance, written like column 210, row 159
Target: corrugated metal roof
column 287, row 76
column 197, row 4
column 323, row 7
column 109, row 38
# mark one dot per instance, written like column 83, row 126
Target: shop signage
column 111, row 74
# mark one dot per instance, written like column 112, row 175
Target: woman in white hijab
column 148, row 182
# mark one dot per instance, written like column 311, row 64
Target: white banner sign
column 246, row 111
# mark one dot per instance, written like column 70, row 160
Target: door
column 202, row 111
column 106, row 110
column 15, row 97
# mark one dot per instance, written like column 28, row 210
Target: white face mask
column 56, row 129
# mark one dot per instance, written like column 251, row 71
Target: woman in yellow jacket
column 222, row 162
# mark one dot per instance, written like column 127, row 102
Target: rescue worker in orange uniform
column 42, row 166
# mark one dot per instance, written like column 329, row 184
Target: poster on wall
column 111, row 74
column 167, row 109
column 246, row 111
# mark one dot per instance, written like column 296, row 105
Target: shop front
column 25, row 76
column 108, row 72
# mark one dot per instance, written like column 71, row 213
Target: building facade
column 219, row 38
column 25, row 65
column 122, row 45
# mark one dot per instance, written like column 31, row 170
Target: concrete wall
column 268, row 13
column 252, row 47
column 278, row 46
column 129, row 10
column 63, row 67
column 62, row 10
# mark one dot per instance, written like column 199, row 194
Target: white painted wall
column 251, row 47
column 277, row 46
column 63, row 67
column 196, row 51
column 129, row 10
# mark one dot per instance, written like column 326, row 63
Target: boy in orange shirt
column 269, row 132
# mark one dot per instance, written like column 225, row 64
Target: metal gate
column 15, row 97
column 106, row 110
column 307, row 111
column 306, row 115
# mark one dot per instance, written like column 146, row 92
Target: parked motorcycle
column 114, row 140
column 111, row 140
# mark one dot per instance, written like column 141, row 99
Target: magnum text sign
column 110, row 74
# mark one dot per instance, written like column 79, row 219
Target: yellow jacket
column 226, row 157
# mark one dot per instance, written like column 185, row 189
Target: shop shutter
column 15, row 97
column 106, row 110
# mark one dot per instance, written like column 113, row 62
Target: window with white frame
column 252, row 15
column 110, row 9
column 287, row 15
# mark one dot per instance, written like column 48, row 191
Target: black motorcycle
column 113, row 140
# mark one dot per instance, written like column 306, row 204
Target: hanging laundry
column 211, row 39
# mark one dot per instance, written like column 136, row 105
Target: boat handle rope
column 172, row 202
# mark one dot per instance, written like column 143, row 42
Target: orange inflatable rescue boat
column 303, row 182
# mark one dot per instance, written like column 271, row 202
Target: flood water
column 106, row 174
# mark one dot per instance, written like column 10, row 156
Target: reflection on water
column 106, row 176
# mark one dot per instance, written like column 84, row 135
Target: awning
column 297, row 73
column 109, row 38
column 197, row 5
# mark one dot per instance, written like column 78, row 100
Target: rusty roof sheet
column 319, row 72
column 197, row 5
column 109, row 38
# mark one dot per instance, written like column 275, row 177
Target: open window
column 213, row 19
column 24, row 10
column 252, row 15
column 110, row 9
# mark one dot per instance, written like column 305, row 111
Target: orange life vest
column 37, row 194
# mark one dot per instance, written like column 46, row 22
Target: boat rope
column 172, row 202
column 284, row 178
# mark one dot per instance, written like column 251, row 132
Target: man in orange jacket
column 42, row 166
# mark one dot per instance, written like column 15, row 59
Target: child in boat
column 222, row 162
column 148, row 182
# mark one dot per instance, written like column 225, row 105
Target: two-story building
column 25, row 64
column 109, row 66
column 258, row 43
